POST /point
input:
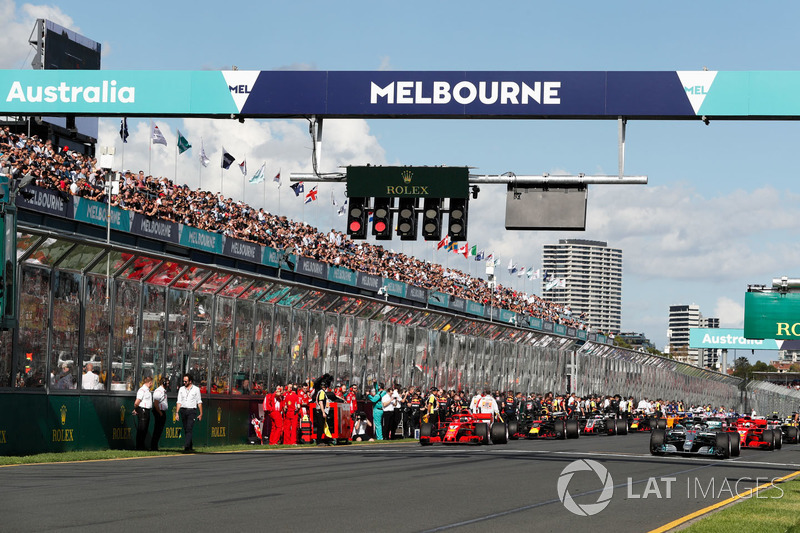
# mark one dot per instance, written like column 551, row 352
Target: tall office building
column 592, row 274
column 681, row 319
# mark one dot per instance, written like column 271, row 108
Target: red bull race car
column 553, row 426
column 643, row 422
column 464, row 428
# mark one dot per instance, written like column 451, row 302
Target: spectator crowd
column 38, row 162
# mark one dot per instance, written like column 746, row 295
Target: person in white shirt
column 90, row 380
column 160, row 408
column 189, row 408
column 141, row 408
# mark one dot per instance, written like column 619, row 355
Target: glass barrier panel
column 140, row 268
column 281, row 343
column 97, row 332
column 64, row 344
column 79, row 257
column 315, row 353
column 360, row 346
column 331, row 345
column 262, row 347
column 344, row 363
column 127, row 307
column 153, row 332
column 221, row 356
column 299, row 347
column 5, row 358
column 179, row 309
column 243, row 348
column 49, row 252
column 34, row 315
column 202, row 326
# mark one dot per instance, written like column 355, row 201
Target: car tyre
column 768, row 437
column 724, row 444
column 622, row 426
column 657, row 439
column 513, row 429
column 778, row 436
column 571, row 429
column 736, row 444
column 560, row 429
column 499, row 433
column 425, row 433
column 482, row 431
column 661, row 423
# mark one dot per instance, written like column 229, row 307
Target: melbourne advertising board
column 402, row 94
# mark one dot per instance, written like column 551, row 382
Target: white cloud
column 729, row 312
column 15, row 53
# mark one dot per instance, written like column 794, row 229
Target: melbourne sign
column 727, row 339
column 408, row 182
column 771, row 315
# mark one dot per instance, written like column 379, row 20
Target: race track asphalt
column 384, row 487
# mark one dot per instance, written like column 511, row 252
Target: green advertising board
column 771, row 315
column 408, row 182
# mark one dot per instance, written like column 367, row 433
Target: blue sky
column 721, row 208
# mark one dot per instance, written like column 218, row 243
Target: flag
column 559, row 283
column 277, row 178
column 258, row 177
column 490, row 259
column 340, row 211
column 123, row 129
column 157, row 136
column 243, row 167
column 297, row 188
column 480, row 256
column 521, row 272
column 444, row 242
column 227, row 159
column 333, row 200
column 451, row 247
column 183, row 143
column 473, row 250
column 532, row 274
column 511, row 266
column 464, row 249
column 311, row 195
column 203, row 159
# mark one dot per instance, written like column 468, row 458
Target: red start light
column 355, row 226
column 380, row 227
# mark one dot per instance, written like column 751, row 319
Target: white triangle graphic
column 240, row 83
column 696, row 83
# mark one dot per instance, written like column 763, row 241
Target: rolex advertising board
column 408, row 182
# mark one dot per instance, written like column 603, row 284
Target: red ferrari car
column 464, row 428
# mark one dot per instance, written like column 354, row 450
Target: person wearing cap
column 141, row 408
column 160, row 408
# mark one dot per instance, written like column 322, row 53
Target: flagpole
column 176, row 162
column 150, row 151
column 244, row 176
column 279, row 194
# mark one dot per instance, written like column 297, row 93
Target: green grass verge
column 102, row 455
column 775, row 510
